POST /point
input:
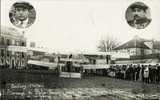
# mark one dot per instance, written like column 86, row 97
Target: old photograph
column 80, row 50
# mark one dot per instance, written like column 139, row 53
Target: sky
column 79, row 25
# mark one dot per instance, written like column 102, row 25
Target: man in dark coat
column 139, row 12
column 152, row 73
column 158, row 73
column 137, row 70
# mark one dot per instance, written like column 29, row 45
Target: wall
column 135, row 51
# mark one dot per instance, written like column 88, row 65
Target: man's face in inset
column 138, row 13
column 21, row 13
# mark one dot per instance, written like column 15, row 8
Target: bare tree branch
column 107, row 44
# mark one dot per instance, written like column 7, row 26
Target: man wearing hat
column 21, row 15
column 139, row 12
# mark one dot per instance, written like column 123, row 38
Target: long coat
column 146, row 72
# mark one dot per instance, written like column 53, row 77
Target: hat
column 23, row 5
column 139, row 5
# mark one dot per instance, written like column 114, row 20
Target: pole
column 135, row 48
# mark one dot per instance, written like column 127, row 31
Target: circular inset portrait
column 22, row 14
column 138, row 15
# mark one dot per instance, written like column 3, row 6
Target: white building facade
column 13, row 51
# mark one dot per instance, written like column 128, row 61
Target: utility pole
column 135, row 48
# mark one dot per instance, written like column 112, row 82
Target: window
column 8, row 42
column 2, row 61
column 101, row 57
column 2, row 53
column 22, row 44
column 17, row 43
column 2, row 40
column 94, row 61
column 23, row 55
column 8, row 53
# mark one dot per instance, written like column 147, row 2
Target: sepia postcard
column 80, row 50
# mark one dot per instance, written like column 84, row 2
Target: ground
column 92, row 88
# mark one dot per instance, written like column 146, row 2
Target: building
column 13, row 51
column 139, row 46
column 140, row 49
column 33, row 44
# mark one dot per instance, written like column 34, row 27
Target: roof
column 136, row 42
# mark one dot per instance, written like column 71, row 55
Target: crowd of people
column 146, row 73
column 136, row 72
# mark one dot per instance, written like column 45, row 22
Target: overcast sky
column 78, row 25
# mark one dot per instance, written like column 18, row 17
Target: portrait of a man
column 22, row 14
column 138, row 15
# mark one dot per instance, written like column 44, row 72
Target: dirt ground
column 89, row 88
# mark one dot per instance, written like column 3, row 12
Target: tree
column 107, row 44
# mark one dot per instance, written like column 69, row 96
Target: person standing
column 158, row 73
column 137, row 71
column 146, row 74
